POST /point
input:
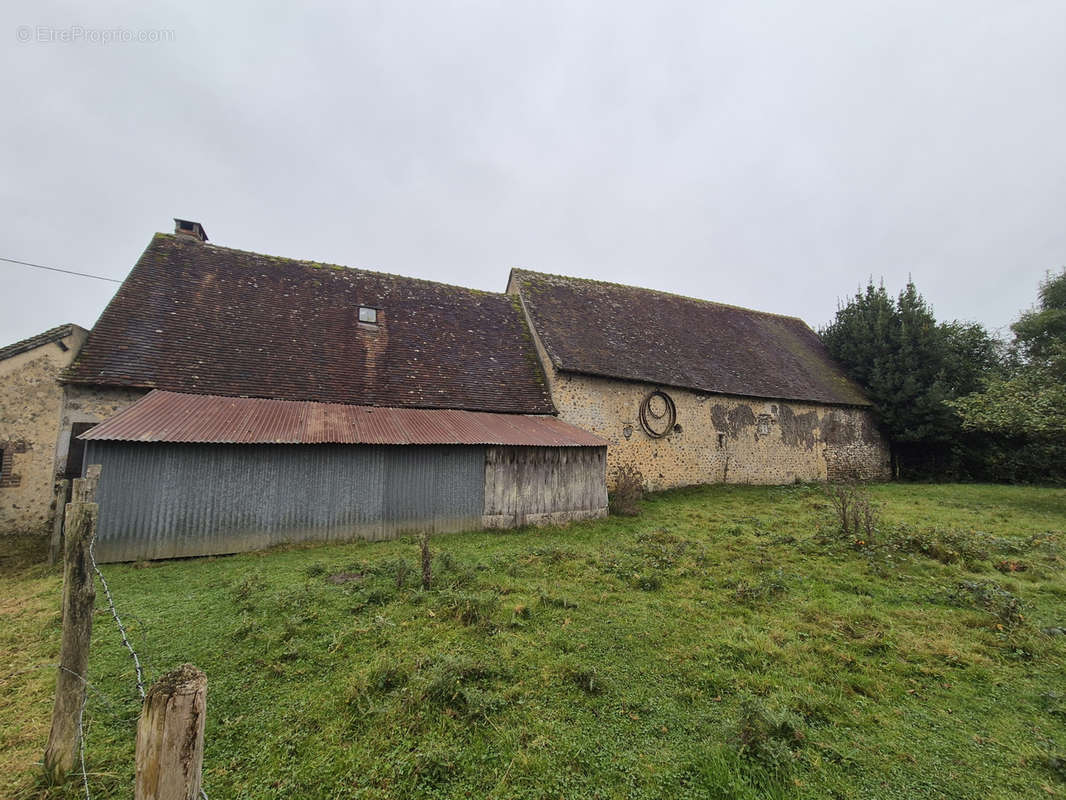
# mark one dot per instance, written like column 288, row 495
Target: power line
column 57, row 269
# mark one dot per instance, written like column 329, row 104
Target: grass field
column 728, row 642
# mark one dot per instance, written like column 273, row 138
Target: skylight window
column 368, row 315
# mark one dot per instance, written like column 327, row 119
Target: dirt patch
column 346, row 577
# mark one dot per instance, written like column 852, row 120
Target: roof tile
column 195, row 317
column 643, row 335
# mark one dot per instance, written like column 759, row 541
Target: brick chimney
column 194, row 230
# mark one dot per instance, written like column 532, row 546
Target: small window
column 368, row 315
column 764, row 424
column 721, row 440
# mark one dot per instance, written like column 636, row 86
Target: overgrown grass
column 726, row 643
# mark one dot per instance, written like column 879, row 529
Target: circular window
column 658, row 414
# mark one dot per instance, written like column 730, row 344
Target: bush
column 624, row 501
column 856, row 514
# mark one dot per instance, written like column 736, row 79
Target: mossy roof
column 615, row 331
column 195, row 317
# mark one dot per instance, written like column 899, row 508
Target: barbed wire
column 118, row 621
column 81, row 744
column 133, row 655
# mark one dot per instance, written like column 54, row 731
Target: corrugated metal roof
column 211, row 419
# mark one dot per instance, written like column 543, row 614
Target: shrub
column 624, row 501
column 855, row 513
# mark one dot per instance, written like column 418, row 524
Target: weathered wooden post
column 79, row 595
column 55, row 546
column 85, row 488
column 170, row 737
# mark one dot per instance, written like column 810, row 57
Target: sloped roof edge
column 45, row 337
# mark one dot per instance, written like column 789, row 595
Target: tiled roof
column 643, row 335
column 192, row 418
column 47, row 337
column 194, row 317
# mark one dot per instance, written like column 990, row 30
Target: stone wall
column 719, row 438
column 88, row 404
column 30, row 400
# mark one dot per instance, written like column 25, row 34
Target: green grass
column 623, row 658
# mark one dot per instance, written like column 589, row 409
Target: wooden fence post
column 79, row 595
column 85, row 488
column 55, row 546
column 170, row 737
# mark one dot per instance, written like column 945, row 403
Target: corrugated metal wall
column 171, row 500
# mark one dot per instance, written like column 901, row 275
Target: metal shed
column 191, row 475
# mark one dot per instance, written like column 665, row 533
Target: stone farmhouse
column 30, row 400
column 694, row 392
column 236, row 400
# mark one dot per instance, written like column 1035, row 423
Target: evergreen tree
column 911, row 367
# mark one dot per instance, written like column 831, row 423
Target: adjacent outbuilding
column 190, row 475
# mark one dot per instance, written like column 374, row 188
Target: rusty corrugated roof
column 211, row 419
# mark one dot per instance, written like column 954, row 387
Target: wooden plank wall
column 544, row 485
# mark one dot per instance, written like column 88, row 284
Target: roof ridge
column 311, row 264
column 660, row 292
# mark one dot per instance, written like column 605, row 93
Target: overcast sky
column 768, row 154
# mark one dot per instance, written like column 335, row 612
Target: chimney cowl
column 194, row 230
